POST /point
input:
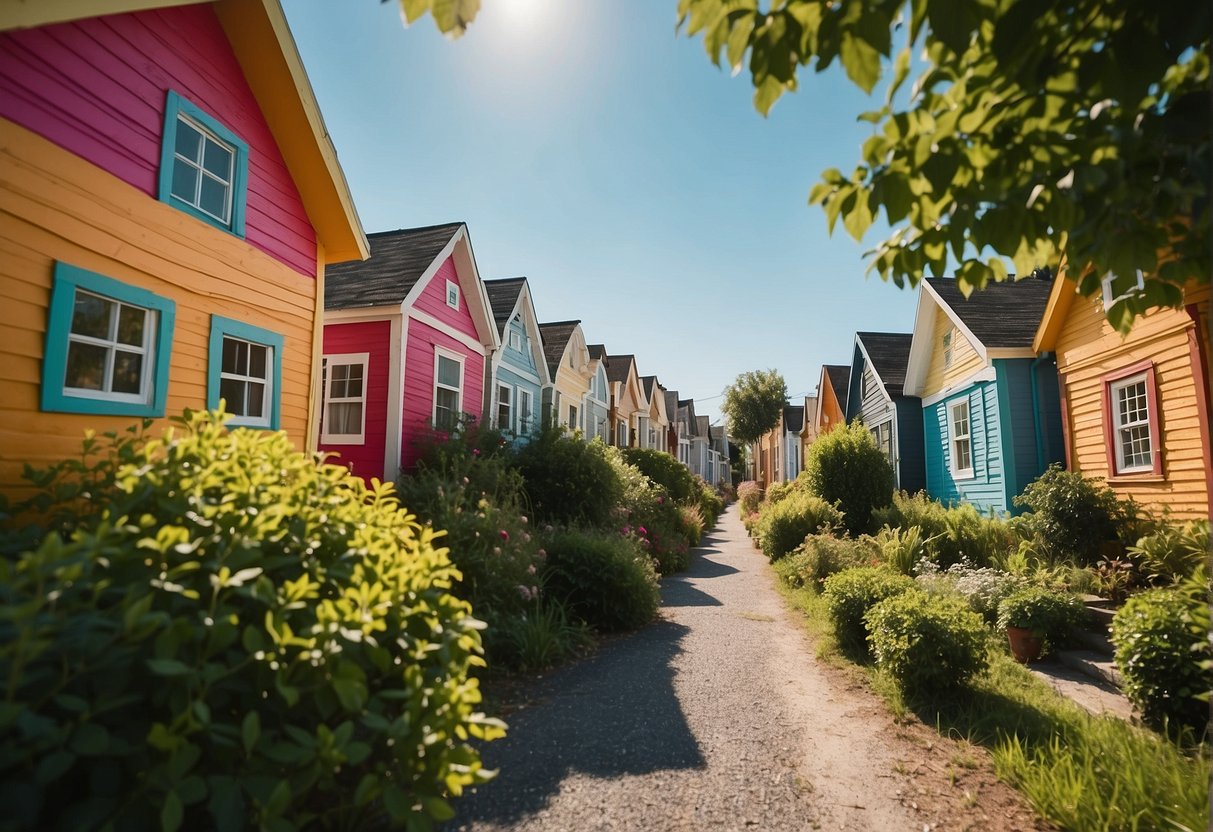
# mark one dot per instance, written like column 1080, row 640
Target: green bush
column 749, row 495
column 821, row 555
column 709, row 503
column 1069, row 516
column 242, row 634
column 538, row 638
column 1051, row 616
column 927, row 643
column 1173, row 552
column 569, row 481
column 796, row 570
column 846, row 468
column 651, row 517
column 902, row 549
column 953, row 534
column 779, row 491
column 666, row 471
column 981, row 587
column 851, row 593
column 1161, row 660
column 604, row 579
column 784, row 525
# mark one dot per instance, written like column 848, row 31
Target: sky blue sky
column 607, row 160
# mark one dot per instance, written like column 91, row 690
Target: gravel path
column 718, row 716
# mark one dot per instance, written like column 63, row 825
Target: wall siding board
column 373, row 337
column 419, row 382
column 965, row 358
column 432, row 301
column 985, row 488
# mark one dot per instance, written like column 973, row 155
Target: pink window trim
column 1106, row 381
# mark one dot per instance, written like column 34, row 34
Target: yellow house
column 1135, row 408
column 165, row 223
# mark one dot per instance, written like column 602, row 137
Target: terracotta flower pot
column 1025, row 647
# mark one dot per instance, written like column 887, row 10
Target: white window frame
column 229, row 184
column 526, row 412
column 949, row 344
column 515, row 340
column 440, row 353
column 1106, row 285
column 954, row 438
column 112, row 346
column 327, row 362
column 505, row 396
column 573, row 416
column 452, row 294
column 621, row 434
column 267, row 384
column 1119, row 425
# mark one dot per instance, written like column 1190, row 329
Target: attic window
column 452, row 294
column 947, row 348
column 203, row 166
column 515, row 341
column 1112, row 282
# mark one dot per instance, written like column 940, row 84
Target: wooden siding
column 911, row 455
column 522, row 360
column 432, row 301
column 965, row 358
column 829, row 410
column 1087, row 349
column 375, row 338
column 985, row 489
column 97, row 87
column 419, row 383
column 55, row 206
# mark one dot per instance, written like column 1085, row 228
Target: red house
column 406, row 336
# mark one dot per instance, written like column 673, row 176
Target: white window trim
column 508, row 392
column 111, row 345
column 440, row 352
column 267, row 384
column 229, row 184
column 959, row 473
column 949, row 347
column 515, row 340
column 346, row 359
column 524, row 414
column 1117, row 425
column 452, row 294
column 1106, row 284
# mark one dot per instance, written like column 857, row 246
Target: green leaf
column 172, row 813
column 226, row 804
column 250, row 731
column 767, row 94
column 396, row 802
column 279, row 799
column 860, row 60
column 437, row 808
column 90, row 740
column 167, row 667
column 901, row 70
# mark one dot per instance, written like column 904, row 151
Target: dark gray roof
column 703, row 427
column 503, row 297
column 793, row 418
column 889, row 353
column 839, row 375
column 671, row 404
column 397, row 261
column 617, row 367
column 597, row 351
column 556, row 335
column 649, row 383
column 1003, row 314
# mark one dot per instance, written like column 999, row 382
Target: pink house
column 406, row 335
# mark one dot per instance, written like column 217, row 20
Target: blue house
column 991, row 414
column 518, row 372
column 876, row 396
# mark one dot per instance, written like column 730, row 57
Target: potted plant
column 1035, row 618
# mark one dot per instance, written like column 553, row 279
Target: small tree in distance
column 752, row 404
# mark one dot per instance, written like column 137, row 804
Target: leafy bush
column 666, row 471
column 846, row 468
column 821, row 555
column 851, row 593
column 903, row 548
column 692, row 523
column 542, row 636
column 953, row 534
column 927, row 643
column 749, row 495
column 709, row 502
column 1051, row 616
column 240, row 631
column 652, row 518
column 1160, row 659
column 779, row 491
column 796, row 570
column 1173, row 552
column 606, row 580
column 784, row 525
column 569, row 481
column 1070, row 517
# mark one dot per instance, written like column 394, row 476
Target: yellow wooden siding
column 54, row 206
column 572, row 387
column 1087, row 349
column 965, row 358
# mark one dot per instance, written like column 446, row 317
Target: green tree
column 752, row 404
column 1035, row 127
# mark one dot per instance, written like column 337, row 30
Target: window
column 1131, row 421
column 452, row 294
column 961, row 440
column 245, row 371
column 505, row 416
column 572, row 417
column 203, row 166
column 622, row 434
column 343, row 385
column 524, row 411
column 947, row 348
column 515, row 341
column 1111, row 283
column 448, row 388
column 107, row 346
column 883, row 434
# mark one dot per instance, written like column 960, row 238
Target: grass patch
column 1083, row 773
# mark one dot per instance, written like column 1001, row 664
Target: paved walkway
column 718, row 717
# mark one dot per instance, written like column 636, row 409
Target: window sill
column 1129, row 479
column 342, row 440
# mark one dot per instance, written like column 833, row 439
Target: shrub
column 650, row 517
column 1070, row 517
column 605, row 580
column 569, row 481
column 984, row 587
column 709, row 503
column 953, row 534
column 796, row 570
column 1160, row 659
column 1051, row 616
column 692, row 523
column 927, row 643
column 784, row 525
column 851, row 593
column 846, row 468
column 241, row 631
column 749, row 495
column 1173, row 552
column 543, row 636
column 666, row 471
column 779, row 491
column 903, row 548
column 821, row 555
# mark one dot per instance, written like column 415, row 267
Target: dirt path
column 718, row 716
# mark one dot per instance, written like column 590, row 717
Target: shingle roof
column 597, row 351
column 703, row 427
column 617, row 367
column 649, row 383
column 839, row 375
column 398, row 260
column 556, row 335
column 889, row 353
column 503, row 297
column 671, row 404
column 793, row 418
column 1003, row 314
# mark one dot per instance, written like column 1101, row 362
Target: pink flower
column 541, row 554
column 496, row 550
column 504, row 534
column 643, row 530
column 530, row 570
column 524, row 592
column 660, row 501
column 475, row 452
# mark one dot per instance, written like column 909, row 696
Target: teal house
column 991, row 413
column 517, row 373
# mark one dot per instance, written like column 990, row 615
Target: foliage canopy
column 752, row 403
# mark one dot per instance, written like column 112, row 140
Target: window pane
column 354, row 385
column 446, row 406
column 448, row 371
column 130, row 325
column 235, row 356
column 257, row 360
column 85, row 366
column 217, row 159
column 213, row 198
column 345, row 418
column 128, row 367
column 1135, row 446
column 232, row 392
column 185, row 181
column 91, row 316
column 187, row 141
column 256, row 400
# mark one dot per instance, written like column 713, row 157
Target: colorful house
column 655, row 423
column 779, row 451
column 831, row 397
column 517, row 371
column 718, row 446
column 674, row 428
column 876, row 396
column 577, row 396
column 686, row 426
column 1135, row 409
column 627, row 399
column 990, row 408
column 407, row 336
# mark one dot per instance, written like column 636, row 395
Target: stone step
column 1100, row 618
column 1096, row 642
column 1096, row 665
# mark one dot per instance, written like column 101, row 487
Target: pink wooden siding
column 433, row 301
column 419, row 382
column 97, row 87
column 372, row 337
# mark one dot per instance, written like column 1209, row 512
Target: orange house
column 1135, row 408
column 831, row 398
